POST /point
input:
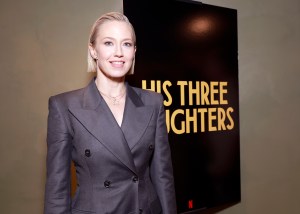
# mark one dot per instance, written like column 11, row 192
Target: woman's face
column 114, row 49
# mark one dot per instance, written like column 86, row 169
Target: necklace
column 116, row 99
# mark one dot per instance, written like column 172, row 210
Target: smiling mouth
column 117, row 62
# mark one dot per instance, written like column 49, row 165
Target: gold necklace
column 116, row 99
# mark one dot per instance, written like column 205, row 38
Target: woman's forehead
column 117, row 28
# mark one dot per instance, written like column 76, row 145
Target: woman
column 114, row 133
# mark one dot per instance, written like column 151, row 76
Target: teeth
column 118, row 63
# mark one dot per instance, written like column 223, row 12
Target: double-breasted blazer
column 123, row 169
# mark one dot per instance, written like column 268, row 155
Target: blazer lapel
column 136, row 117
column 96, row 117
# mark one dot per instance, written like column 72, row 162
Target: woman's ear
column 93, row 51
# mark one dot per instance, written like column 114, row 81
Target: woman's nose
column 118, row 51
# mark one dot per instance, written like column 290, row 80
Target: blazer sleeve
column 161, row 166
column 57, row 190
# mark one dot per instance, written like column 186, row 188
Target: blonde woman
column 114, row 133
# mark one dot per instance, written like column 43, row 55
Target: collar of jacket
column 98, row 120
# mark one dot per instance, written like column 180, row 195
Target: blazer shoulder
column 149, row 97
column 68, row 98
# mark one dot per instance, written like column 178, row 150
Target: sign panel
column 187, row 51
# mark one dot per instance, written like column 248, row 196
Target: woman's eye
column 108, row 43
column 128, row 44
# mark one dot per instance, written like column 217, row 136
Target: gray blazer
column 120, row 170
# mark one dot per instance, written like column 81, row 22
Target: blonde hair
column 112, row 16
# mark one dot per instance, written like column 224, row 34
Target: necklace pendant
column 115, row 101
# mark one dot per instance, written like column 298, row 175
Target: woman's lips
column 117, row 64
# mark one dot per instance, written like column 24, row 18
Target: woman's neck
column 110, row 87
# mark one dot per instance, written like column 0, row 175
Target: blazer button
column 107, row 184
column 87, row 153
column 135, row 179
column 151, row 147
